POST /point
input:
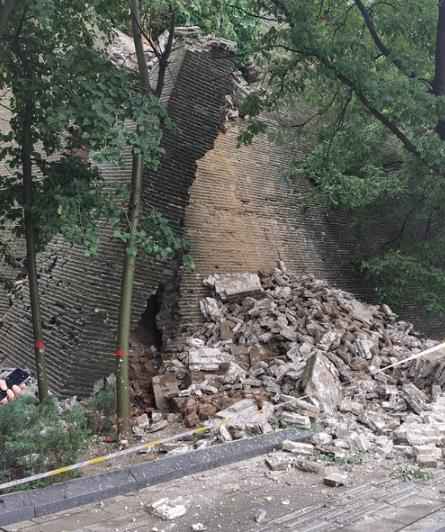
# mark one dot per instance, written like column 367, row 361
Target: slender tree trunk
column 39, row 346
column 134, row 212
column 122, row 390
column 439, row 77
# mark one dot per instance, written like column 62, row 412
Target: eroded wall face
column 245, row 215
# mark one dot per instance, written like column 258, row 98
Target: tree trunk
column 39, row 346
column 122, row 390
column 134, row 212
column 439, row 77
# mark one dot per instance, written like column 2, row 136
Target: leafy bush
column 101, row 410
column 403, row 277
column 408, row 472
column 37, row 437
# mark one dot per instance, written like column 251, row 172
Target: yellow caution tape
column 107, row 458
column 117, row 454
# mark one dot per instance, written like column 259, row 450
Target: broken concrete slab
column 309, row 466
column 321, row 439
column 157, row 426
column 234, row 373
column 279, row 461
column 419, row 434
column 165, row 387
column 427, row 455
column 167, row 509
column 305, row 407
column 298, row 448
column 354, row 407
column 334, row 478
column 210, row 309
column 321, row 381
column 416, row 399
column 247, row 411
column 260, row 516
column 207, row 359
column 142, row 421
column 359, row 442
column 296, row 420
column 234, row 285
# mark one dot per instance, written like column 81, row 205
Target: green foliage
column 358, row 177
column 37, row 437
column 409, row 472
column 231, row 20
column 413, row 277
column 156, row 236
column 364, row 74
column 101, row 410
column 357, row 458
column 104, row 401
column 58, row 73
column 68, row 200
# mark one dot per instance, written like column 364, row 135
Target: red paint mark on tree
column 120, row 353
column 40, row 345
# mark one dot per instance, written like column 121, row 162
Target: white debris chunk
column 198, row 527
column 168, row 510
column 260, row 516
column 305, row 449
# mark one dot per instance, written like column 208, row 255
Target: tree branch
column 253, row 15
column 314, row 116
column 139, row 47
column 165, row 55
column 378, row 41
column 409, row 145
column 401, row 231
column 339, row 123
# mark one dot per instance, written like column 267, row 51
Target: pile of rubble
column 291, row 351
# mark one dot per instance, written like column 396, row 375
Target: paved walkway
column 229, row 499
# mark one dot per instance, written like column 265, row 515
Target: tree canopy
column 371, row 76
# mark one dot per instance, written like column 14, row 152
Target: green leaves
column 79, row 100
column 410, row 278
column 351, row 83
column 233, row 20
column 37, row 437
column 156, row 236
column 69, row 200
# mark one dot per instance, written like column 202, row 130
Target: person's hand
column 11, row 394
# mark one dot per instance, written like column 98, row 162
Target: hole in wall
column 147, row 331
column 145, row 353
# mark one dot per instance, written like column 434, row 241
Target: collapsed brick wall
column 234, row 205
column 80, row 295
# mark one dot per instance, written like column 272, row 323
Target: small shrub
column 38, row 437
column 101, row 409
column 351, row 459
column 407, row 472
